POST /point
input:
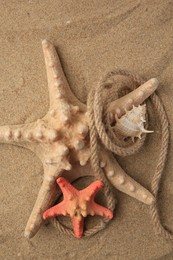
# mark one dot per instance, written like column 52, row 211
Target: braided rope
column 160, row 229
column 99, row 124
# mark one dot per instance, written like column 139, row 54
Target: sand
column 92, row 37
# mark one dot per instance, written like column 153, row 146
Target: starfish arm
column 58, row 86
column 100, row 210
column 55, row 211
column 46, row 197
column 30, row 133
column 67, row 189
column 117, row 177
column 121, row 181
column 78, row 226
column 136, row 97
column 92, row 189
column 18, row 134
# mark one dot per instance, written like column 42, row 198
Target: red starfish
column 78, row 204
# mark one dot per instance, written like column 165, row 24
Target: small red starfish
column 78, row 204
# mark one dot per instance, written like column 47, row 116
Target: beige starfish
column 60, row 139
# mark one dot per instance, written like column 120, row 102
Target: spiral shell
column 132, row 123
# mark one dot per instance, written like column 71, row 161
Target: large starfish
column 60, row 139
column 78, row 204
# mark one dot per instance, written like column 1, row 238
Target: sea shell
column 132, row 123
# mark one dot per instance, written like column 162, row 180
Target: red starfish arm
column 101, row 211
column 67, row 189
column 78, row 226
column 92, row 189
column 55, row 211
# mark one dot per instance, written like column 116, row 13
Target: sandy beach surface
column 91, row 37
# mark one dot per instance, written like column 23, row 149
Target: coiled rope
column 101, row 131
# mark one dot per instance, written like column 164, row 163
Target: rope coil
column 100, row 130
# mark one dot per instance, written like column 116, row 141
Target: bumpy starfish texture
column 134, row 98
column 60, row 139
column 78, row 204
